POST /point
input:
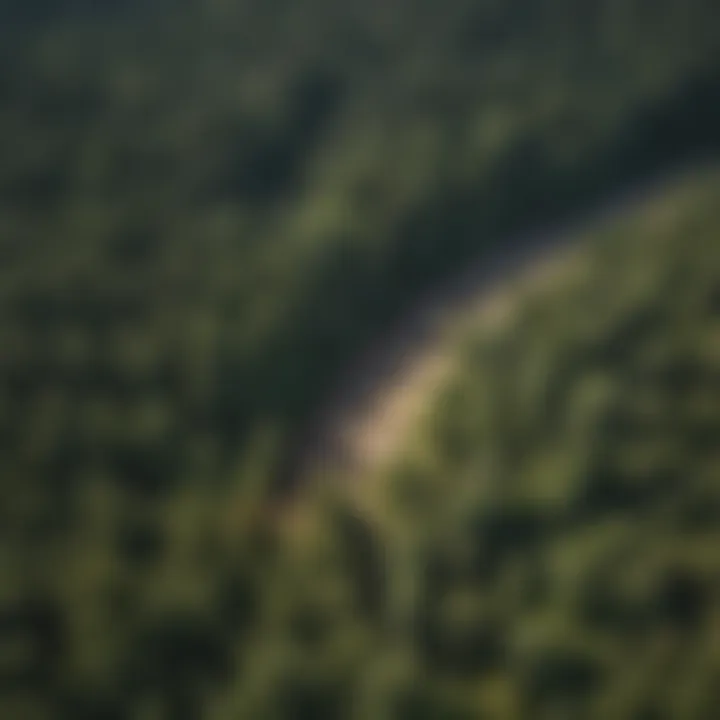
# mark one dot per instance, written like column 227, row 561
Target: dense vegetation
column 205, row 207
column 550, row 545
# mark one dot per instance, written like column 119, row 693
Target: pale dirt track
column 368, row 417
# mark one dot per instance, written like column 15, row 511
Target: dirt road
column 367, row 418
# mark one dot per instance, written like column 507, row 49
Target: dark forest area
column 207, row 209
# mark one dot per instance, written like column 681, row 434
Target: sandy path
column 381, row 397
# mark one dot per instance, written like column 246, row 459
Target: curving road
column 367, row 418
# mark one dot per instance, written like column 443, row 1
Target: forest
column 207, row 208
column 560, row 503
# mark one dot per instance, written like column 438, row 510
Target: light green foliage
column 576, row 554
column 553, row 550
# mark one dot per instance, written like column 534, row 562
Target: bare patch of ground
column 370, row 415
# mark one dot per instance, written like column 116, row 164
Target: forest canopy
column 207, row 208
column 547, row 545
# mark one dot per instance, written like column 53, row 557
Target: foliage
column 560, row 507
column 206, row 206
